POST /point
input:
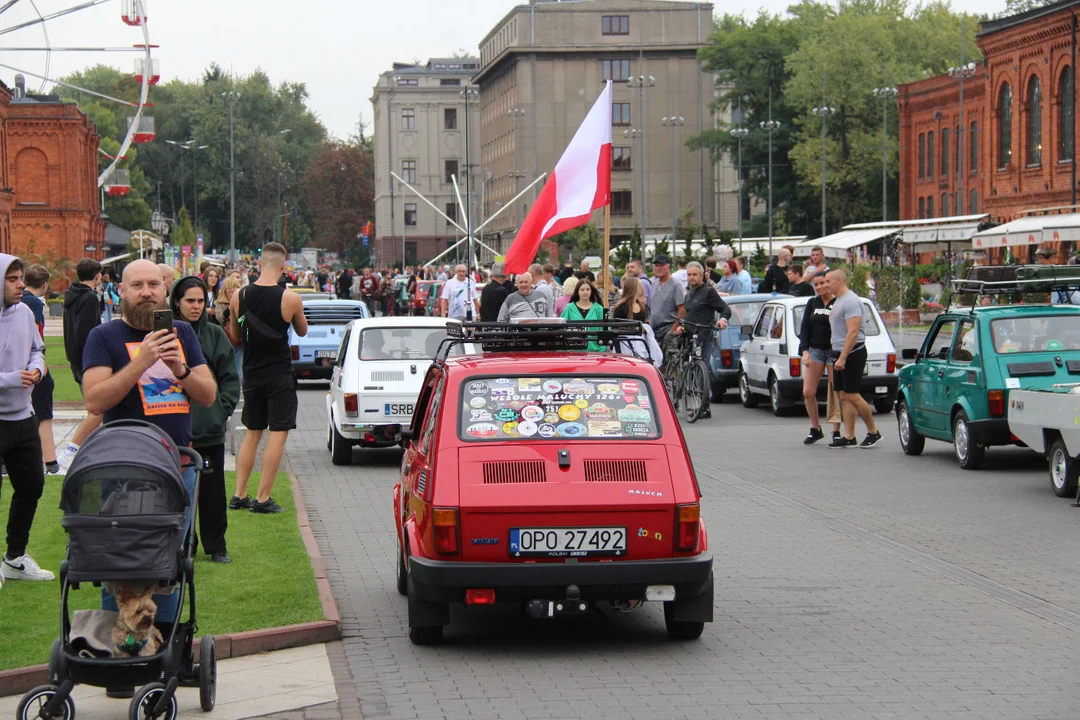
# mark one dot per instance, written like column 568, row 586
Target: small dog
column 134, row 633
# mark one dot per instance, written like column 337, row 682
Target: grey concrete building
column 419, row 133
column 543, row 66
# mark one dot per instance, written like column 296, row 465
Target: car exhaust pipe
column 626, row 606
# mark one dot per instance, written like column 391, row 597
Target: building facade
column 419, row 133
column 542, row 68
column 1013, row 148
column 50, row 160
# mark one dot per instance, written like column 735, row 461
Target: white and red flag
column 580, row 183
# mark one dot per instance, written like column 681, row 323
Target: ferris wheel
column 45, row 39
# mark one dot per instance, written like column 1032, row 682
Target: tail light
column 725, row 358
column 350, row 405
column 890, row 363
column 795, row 367
column 295, row 349
column 445, row 521
column 480, row 596
column 995, row 400
column 688, row 529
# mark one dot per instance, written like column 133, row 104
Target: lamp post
column 183, row 199
column 466, row 94
column 230, row 97
column 673, row 122
column 516, row 172
column 770, row 126
column 739, row 133
column 885, row 94
column 633, row 134
column 190, row 145
column 822, row 112
column 960, row 73
column 640, row 83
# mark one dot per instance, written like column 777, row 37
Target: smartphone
column 163, row 320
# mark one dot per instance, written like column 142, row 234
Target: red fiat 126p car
column 544, row 475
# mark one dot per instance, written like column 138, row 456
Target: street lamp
column 823, row 113
column 190, row 145
column 516, row 172
column 961, row 73
column 467, row 94
column 885, row 94
column 770, row 126
column 640, row 83
column 633, row 134
column 739, row 133
column 230, row 97
column 673, row 122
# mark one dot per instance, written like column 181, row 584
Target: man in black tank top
column 262, row 313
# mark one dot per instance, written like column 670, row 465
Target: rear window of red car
column 558, row 407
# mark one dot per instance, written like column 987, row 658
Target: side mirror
column 747, row 330
column 909, row 354
column 406, row 434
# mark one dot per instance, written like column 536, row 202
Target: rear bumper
column 792, row 389
column 445, row 582
column 311, row 371
column 994, row 431
column 725, row 377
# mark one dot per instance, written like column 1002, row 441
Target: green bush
column 887, row 288
column 912, row 293
column 859, row 280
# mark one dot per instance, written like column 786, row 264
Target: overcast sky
column 337, row 48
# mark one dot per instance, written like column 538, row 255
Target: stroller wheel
column 207, row 673
column 142, row 705
column 33, row 704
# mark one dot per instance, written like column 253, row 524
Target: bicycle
column 686, row 376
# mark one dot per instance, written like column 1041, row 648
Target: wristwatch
column 187, row 371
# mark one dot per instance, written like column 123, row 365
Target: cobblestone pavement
column 849, row 584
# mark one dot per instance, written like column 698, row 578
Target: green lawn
column 67, row 390
column 269, row 582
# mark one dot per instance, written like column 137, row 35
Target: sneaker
column 23, row 568
column 237, row 503
column 221, row 557
column 842, row 442
column 266, row 508
column 67, row 456
column 870, row 440
column 814, row 435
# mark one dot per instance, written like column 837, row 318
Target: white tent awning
column 848, row 239
column 1022, row 231
column 1061, row 227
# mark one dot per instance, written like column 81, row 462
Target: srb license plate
column 399, row 409
column 567, row 542
column 332, row 354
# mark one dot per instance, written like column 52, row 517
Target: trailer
column 1048, row 421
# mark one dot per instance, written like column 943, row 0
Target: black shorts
column 270, row 402
column 849, row 379
column 41, row 398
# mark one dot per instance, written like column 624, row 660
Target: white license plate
column 567, row 542
column 881, row 390
column 332, row 354
column 398, row 409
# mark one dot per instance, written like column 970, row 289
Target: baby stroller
column 124, row 501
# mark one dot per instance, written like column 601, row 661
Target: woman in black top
column 815, row 347
column 631, row 305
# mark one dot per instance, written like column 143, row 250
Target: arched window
column 930, row 155
column 973, row 203
column 944, row 154
column 944, row 204
column 930, row 206
column 973, row 147
column 922, row 156
column 1067, row 126
column 1004, row 128
column 922, row 208
column 1034, row 122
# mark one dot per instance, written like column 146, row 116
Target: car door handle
column 940, row 374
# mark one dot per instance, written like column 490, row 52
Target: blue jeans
column 238, row 353
column 167, row 605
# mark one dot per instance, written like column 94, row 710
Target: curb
column 249, row 642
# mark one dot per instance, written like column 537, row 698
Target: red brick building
column 49, row 154
column 1018, row 127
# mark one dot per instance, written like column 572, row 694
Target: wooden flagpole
column 605, row 266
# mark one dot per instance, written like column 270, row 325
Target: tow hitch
column 572, row 605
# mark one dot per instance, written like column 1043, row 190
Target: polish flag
column 580, row 183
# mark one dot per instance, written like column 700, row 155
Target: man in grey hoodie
column 22, row 365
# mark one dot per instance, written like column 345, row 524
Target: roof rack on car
column 543, row 334
column 1017, row 279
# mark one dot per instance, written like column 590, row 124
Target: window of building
column 449, row 118
column 922, row 156
column 973, row 202
column 622, row 202
column 973, row 148
column 449, row 81
column 1004, row 128
column 410, row 214
column 945, row 153
column 959, row 153
column 408, row 119
column 922, row 208
column 615, row 69
column 408, row 171
column 620, row 158
column 451, row 212
column 1066, row 124
column 620, row 113
column 410, row 253
column 615, row 25
column 944, row 204
column 930, row 155
column 930, row 206
column 450, row 169
column 1034, row 122
column 470, row 66
column 407, row 81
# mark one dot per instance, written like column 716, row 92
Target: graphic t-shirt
column 157, row 397
column 457, row 293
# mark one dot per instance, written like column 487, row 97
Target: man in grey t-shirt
column 526, row 302
column 848, row 343
column 666, row 299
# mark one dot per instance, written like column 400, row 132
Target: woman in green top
column 582, row 307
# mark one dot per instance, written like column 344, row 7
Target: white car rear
column 376, row 380
column 770, row 365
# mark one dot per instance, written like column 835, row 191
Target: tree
column 339, row 189
column 184, row 233
column 635, row 244
column 684, row 230
column 707, row 238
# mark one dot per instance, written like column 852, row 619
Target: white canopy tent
column 748, row 246
column 935, row 235
column 1030, row 230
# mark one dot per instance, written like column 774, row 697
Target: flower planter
column 56, row 310
column 892, row 318
column 928, row 318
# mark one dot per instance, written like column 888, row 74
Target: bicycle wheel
column 695, row 390
column 671, row 381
